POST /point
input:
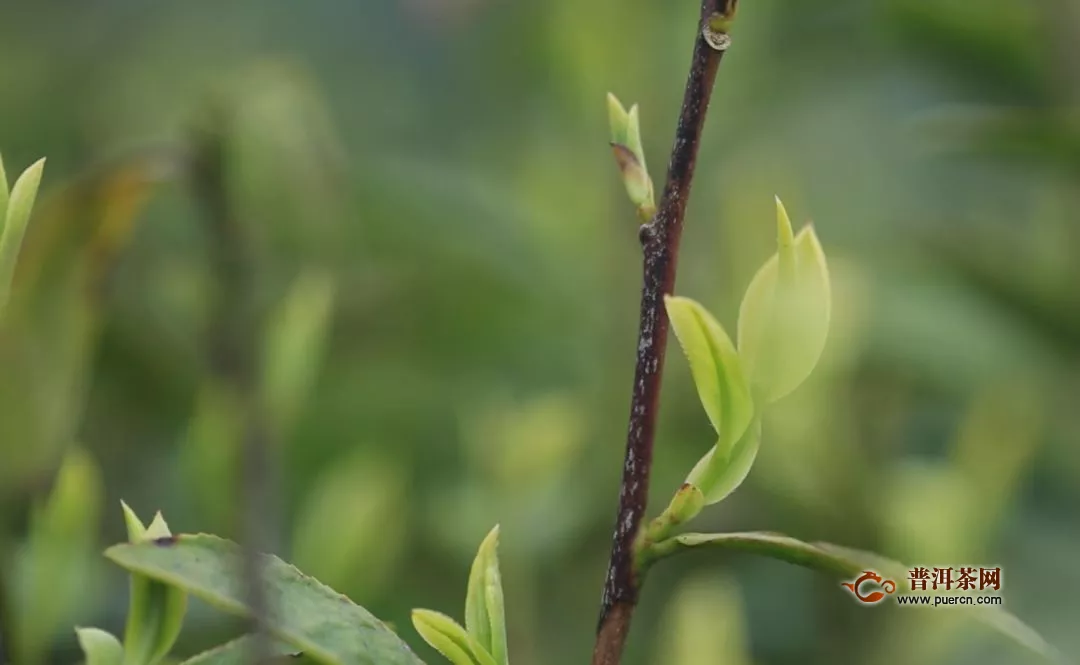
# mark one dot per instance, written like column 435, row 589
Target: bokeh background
column 391, row 234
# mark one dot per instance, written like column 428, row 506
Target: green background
column 440, row 169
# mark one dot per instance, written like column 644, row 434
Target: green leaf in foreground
column 100, row 647
column 310, row 616
column 448, row 638
column 846, row 563
column 238, row 652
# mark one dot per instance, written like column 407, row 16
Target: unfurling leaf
column 639, row 186
column 720, row 471
column 784, row 316
column 448, row 638
column 326, row 626
column 100, row 647
column 156, row 610
column 685, row 505
column 630, row 156
column 484, row 607
column 716, row 369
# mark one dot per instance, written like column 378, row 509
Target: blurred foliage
column 442, row 274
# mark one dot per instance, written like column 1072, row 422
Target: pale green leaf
column 238, row 652
column 158, row 528
column 484, row 606
column 100, row 647
column 312, row 617
column 783, row 323
column 451, row 640
column 718, row 475
column 846, row 564
column 639, row 187
column 716, row 369
column 785, row 244
column 17, row 217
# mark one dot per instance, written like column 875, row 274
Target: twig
column 233, row 360
column 660, row 241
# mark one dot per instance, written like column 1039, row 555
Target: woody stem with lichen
column 660, row 244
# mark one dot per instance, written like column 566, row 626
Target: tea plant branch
column 233, row 358
column 660, row 243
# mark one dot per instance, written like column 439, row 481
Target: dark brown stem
column 234, row 361
column 660, row 241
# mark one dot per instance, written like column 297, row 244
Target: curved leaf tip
column 716, row 368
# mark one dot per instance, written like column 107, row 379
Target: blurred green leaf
column 4, row 194
column 54, row 577
column 716, row 368
column 156, row 610
column 846, row 563
column 210, row 450
column 100, row 647
column 484, row 607
column 307, row 614
column 52, row 323
column 360, row 559
column 451, row 640
column 238, row 652
column 705, row 624
column 784, row 316
column 293, row 347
